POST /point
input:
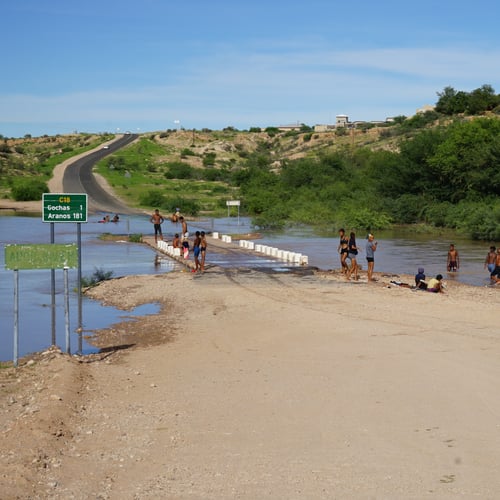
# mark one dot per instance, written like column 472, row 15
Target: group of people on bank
column 181, row 240
column 349, row 251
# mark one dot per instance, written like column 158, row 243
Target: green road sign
column 44, row 256
column 64, row 207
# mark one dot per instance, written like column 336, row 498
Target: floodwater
column 396, row 254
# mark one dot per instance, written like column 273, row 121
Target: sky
column 150, row 65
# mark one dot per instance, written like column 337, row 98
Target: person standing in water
column 490, row 260
column 453, row 260
column 157, row 219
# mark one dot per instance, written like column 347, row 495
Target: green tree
column 468, row 160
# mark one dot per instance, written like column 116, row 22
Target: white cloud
column 307, row 84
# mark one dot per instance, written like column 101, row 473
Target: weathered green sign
column 43, row 256
column 64, row 207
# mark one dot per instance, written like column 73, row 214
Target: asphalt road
column 79, row 178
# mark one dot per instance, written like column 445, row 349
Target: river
column 396, row 254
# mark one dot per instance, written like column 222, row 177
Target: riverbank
column 253, row 384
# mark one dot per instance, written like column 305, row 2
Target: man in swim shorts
column 453, row 261
column 157, row 219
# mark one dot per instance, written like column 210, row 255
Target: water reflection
column 398, row 253
column 35, row 324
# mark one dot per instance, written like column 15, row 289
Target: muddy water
column 396, row 254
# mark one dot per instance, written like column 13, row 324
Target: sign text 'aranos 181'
column 64, row 207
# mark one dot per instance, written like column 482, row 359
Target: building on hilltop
column 291, row 127
column 341, row 121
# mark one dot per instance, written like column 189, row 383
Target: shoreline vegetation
column 436, row 169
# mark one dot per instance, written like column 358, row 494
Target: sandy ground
column 253, row 385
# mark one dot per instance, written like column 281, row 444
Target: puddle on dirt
column 105, row 316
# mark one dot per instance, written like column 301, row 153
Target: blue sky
column 148, row 65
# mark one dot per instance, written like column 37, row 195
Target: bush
column 187, row 152
column 153, row 198
column 135, row 238
column 209, row 159
column 180, row 170
column 186, row 205
column 98, row 276
column 29, row 190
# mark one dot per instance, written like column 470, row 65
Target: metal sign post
column 234, row 203
column 45, row 256
column 68, row 207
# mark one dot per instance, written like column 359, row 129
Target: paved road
column 79, row 178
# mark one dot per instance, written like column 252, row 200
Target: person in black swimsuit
column 343, row 249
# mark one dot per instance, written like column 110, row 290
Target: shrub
column 180, row 170
column 98, row 276
column 152, row 198
column 29, row 190
column 209, row 159
column 135, row 238
column 187, row 206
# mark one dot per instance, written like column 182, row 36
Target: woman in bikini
column 343, row 249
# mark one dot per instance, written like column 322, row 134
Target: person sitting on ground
column 420, row 279
column 435, row 285
column 116, row 218
column 176, row 242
